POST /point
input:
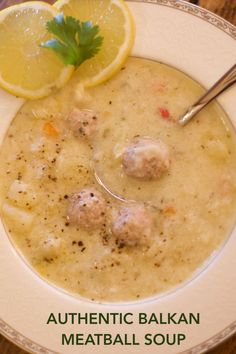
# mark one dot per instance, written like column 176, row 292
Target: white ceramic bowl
column 203, row 46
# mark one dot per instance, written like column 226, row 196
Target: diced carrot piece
column 50, row 130
column 169, row 210
column 164, row 112
column 159, row 87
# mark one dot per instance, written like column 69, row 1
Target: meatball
column 133, row 225
column 87, row 209
column 146, row 158
column 82, row 122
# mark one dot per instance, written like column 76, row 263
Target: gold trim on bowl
column 35, row 348
column 21, row 341
column 197, row 11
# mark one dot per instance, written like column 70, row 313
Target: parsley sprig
column 76, row 41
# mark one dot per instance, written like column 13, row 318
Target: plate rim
column 197, row 11
column 228, row 28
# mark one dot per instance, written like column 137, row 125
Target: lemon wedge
column 26, row 69
column 116, row 27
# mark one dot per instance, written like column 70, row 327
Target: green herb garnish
column 76, row 41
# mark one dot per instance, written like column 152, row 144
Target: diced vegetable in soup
column 180, row 184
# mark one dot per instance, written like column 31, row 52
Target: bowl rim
column 32, row 347
column 195, row 10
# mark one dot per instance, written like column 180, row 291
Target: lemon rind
column 29, row 4
column 47, row 89
column 124, row 51
column 18, row 91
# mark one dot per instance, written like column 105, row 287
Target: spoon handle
column 222, row 84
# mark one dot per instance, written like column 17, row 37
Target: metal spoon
column 222, row 84
column 108, row 190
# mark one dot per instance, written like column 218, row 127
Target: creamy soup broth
column 42, row 163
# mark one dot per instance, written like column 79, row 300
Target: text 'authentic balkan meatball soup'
column 178, row 185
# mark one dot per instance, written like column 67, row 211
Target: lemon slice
column 116, row 26
column 26, row 69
